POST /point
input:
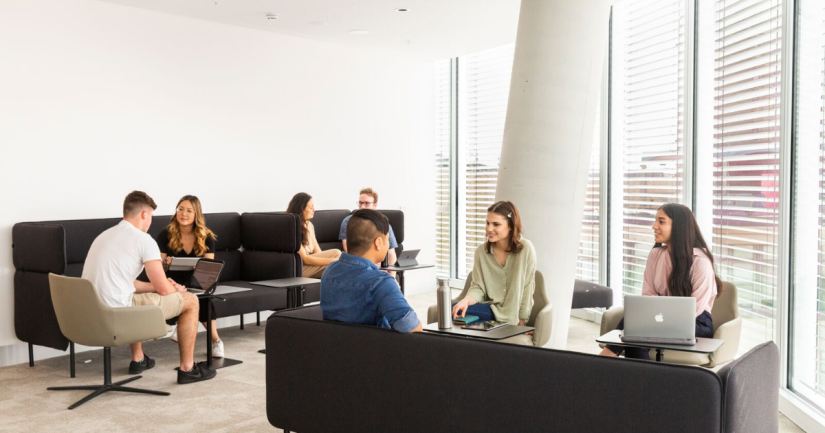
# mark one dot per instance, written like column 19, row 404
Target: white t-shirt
column 116, row 259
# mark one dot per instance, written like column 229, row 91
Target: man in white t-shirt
column 115, row 260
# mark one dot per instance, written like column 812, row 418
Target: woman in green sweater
column 504, row 271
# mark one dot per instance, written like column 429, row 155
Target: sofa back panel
column 75, row 270
column 34, row 319
column 396, row 218
column 751, row 398
column 227, row 227
column 377, row 380
column 275, row 232
column 231, row 264
column 39, row 247
column 264, row 265
column 327, row 227
column 159, row 223
column 81, row 233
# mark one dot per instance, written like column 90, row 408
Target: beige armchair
column 726, row 326
column 541, row 317
column 85, row 319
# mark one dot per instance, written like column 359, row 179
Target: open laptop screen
column 206, row 274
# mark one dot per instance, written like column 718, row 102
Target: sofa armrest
column 731, row 333
column 544, row 326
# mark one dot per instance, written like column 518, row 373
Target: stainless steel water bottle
column 445, row 317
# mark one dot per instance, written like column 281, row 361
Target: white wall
column 99, row 99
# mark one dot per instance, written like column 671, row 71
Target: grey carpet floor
column 234, row 401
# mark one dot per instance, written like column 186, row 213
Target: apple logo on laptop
column 660, row 318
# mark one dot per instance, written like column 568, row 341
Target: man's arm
column 158, row 281
column 395, row 308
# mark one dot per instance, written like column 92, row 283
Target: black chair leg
column 258, row 317
column 31, row 355
column 71, row 360
column 241, row 322
column 107, row 383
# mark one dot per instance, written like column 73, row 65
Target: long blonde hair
column 200, row 230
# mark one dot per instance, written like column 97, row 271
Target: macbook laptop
column 205, row 278
column 407, row 258
column 659, row 319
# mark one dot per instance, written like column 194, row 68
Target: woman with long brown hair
column 504, row 271
column 314, row 259
column 188, row 236
column 680, row 264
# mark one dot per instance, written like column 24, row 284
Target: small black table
column 401, row 269
column 216, row 363
column 506, row 331
column 703, row 345
column 295, row 297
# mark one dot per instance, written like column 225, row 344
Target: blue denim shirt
column 354, row 290
column 342, row 233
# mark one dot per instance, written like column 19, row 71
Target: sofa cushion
column 275, row 232
column 81, row 233
column 396, row 218
column 39, row 247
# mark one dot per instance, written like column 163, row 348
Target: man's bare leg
column 137, row 351
column 188, row 330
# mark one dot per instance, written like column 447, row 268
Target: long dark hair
column 684, row 237
column 297, row 205
column 509, row 211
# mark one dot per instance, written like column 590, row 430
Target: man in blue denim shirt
column 354, row 290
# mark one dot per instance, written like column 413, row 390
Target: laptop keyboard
column 659, row 340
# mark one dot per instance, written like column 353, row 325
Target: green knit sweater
column 509, row 288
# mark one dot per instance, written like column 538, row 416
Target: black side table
column 401, row 270
column 295, row 290
column 703, row 345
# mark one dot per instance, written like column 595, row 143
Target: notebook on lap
column 659, row 319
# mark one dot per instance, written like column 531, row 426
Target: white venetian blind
column 746, row 157
column 587, row 265
column 443, row 132
column 484, row 86
column 648, row 75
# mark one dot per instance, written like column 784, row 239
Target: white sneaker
column 174, row 336
column 217, row 349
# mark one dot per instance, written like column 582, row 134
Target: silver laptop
column 659, row 319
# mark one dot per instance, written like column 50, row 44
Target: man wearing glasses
column 368, row 199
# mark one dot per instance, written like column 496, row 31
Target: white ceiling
column 433, row 29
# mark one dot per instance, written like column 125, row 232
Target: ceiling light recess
column 402, row 10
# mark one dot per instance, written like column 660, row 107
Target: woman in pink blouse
column 680, row 264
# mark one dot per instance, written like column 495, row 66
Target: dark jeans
column 704, row 329
column 483, row 311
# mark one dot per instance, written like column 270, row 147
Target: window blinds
column 484, row 87
column 443, row 134
column 647, row 110
column 746, row 156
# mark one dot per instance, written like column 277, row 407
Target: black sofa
column 253, row 246
column 352, row 378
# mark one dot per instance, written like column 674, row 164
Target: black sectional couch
column 253, row 247
column 353, row 378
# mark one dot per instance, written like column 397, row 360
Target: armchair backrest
column 85, row 319
column 82, row 316
column 725, row 306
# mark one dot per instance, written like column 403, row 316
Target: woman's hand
column 522, row 322
column 462, row 307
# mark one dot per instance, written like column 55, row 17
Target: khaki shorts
column 171, row 305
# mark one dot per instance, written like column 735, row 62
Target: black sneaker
column 139, row 367
column 197, row 374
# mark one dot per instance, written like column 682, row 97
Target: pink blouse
column 702, row 277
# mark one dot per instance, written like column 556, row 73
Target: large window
column 808, row 289
column 739, row 64
column 443, row 190
column 647, row 137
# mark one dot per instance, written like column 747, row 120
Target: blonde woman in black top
column 187, row 236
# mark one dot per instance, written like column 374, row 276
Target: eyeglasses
column 364, row 203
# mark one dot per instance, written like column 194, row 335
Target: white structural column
column 548, row 134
